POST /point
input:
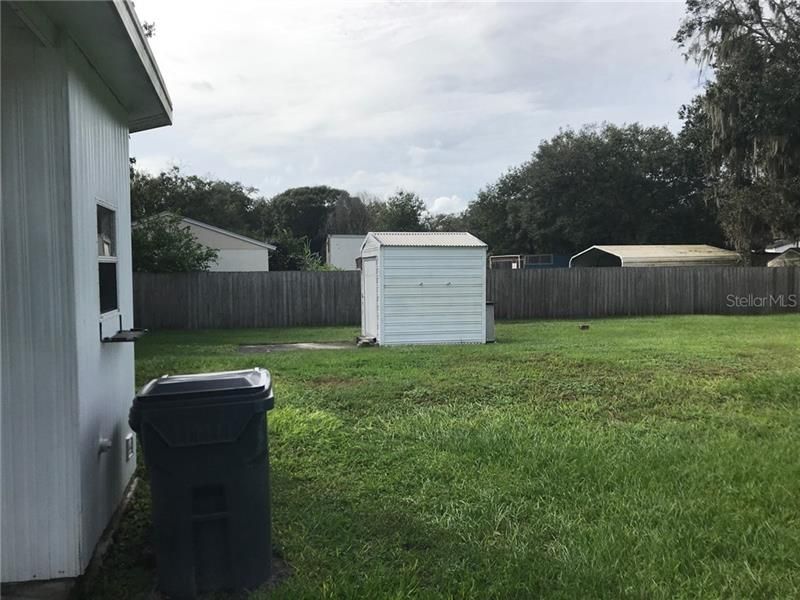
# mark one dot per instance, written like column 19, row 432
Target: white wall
column 99, row 159
column 241, row 260
column 232, row 254
column 342, row 250
column 64, row 147
column 432, row 295
column 40, row 478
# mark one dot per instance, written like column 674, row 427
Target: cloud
column 447, row 204
column 436, row 98
column 201, row 86
column 156, row 163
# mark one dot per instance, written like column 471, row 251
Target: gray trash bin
column 204, row 439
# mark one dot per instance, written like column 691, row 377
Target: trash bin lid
column 226, row 383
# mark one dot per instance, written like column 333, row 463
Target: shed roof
column 460, row 239
column 666, row 254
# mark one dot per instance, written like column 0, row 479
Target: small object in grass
column 583, row 326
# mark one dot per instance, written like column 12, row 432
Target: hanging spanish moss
column 750, row 50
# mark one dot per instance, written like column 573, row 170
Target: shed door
column 369, row 296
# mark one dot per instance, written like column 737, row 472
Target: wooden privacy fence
column 287, row 298
column 230, row 300
column 615, row 291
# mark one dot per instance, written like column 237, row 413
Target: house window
column 107, row 258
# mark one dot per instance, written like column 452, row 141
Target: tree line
column 730, row 176
column 297, row 221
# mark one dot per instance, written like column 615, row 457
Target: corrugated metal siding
column 40, row 480
column 433, row 295
column 99, row 151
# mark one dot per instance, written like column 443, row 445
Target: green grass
column 643, row 458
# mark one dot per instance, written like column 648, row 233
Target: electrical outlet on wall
column 130, row 445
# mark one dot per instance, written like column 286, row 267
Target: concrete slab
column 265, row 348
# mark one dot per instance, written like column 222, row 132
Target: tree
column 446, row 222
column 752, row 108
column 402, row 211
column 161, row 244
column 225, row 204
column 487, row 217
column 607, row 184
column 303, row 211
column 348, row 214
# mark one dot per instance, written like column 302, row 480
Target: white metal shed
column 423, row 288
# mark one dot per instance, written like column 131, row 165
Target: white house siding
column 99, row 159
column 232, row 254
column 449, row 305
column 40, row 492
column 241, row 260
column 341, row 251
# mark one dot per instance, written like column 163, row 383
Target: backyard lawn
column 643, row 458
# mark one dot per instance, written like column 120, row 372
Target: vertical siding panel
column 40, row 491
column 99, row 174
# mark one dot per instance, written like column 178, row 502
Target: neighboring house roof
column 790, row 258
column 112, row 40
column 781, row 246
column 348, row 235
column 196, row 223
column 221, row 231
column 663, row 255
column 426, row 239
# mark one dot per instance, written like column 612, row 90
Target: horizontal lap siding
column 433, row 295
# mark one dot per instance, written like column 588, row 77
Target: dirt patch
column 266, row 348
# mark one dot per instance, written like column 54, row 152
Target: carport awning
column 669, row 255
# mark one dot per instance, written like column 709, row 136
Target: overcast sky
column 436, row 98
